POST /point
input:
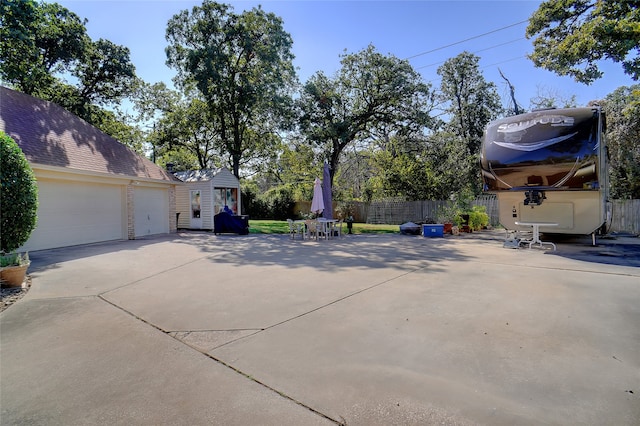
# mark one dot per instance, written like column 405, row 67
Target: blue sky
column 323, row 30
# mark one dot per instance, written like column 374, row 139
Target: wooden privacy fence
column 625, row 214
column 399, row 212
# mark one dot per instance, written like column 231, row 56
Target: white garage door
column 151, row 207
column 72, row 213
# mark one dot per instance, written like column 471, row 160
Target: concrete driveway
column 195, row 329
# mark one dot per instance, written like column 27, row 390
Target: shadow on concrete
column 366, row 251
column 403, row 252
column 621, row 250
column 43, row 260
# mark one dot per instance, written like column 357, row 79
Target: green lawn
column 281, row 227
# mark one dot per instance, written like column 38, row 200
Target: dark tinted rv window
column 552, row 149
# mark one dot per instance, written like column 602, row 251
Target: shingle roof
column 50, row 135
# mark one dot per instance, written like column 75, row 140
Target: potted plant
column 450, row 218
column 19, row 201
column 13, row 268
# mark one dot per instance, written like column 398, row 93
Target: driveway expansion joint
column 219, row 361
column 272, row 389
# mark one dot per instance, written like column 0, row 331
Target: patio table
column 536, row 233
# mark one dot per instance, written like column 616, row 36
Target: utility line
column 436, row 80
column 467, row 39
column 502, row 62
column 477, row 51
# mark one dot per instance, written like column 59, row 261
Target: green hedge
column 18, row 195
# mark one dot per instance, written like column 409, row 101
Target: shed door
column 195, row 197
column 72, row 213
column 151, row 210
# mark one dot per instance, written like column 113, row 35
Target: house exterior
column 204, row 194
column 92, row 188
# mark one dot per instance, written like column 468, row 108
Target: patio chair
column 313, row 228
column 337, row 228
column 293, row 230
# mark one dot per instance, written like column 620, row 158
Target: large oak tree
column 42, row 44
column 571, row 36
column 371, row 93
column 470, row 103
column 242, row 66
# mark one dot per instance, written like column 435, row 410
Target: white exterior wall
column 183, row 204
column 73, row 213
column 207, row 207
column 575, row 212
column 223, row 179
column 78, row 208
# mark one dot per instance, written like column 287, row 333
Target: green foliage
column 253, row 205
column 571, row 36
column 14, row 259
column 623, row 133
column 42, row 43
column 105, row 73
column 471, row 102
column 119, row 126
column 281, row 202
column 18, row 196
column 345, row 210
column 460, row 210
column 242, row 66
column 188, row 128
column 405, row 175
column 180, row 158
column 281, row 227
column 478, row 217
column 371, row 92
column 37, row 40
column 451, row 164
column 296, row 166
column 277, row 203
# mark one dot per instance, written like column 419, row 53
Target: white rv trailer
column 549, row 166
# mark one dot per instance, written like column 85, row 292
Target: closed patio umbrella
column 317, row 204
column 326, row 191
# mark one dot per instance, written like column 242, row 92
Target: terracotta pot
column 13, row 276
column 447, row 228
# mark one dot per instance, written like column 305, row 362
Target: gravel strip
column 11, row 295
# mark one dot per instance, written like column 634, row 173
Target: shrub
column 276, row 204
column 478, row 217
column 281, row 203
column 18, row 196
column 253, row 205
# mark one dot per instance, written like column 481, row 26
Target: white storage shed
column 204, row 194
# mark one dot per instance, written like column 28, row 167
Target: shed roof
column 52, row 136
column 201, row 175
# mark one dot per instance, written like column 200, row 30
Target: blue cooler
column 433, row 230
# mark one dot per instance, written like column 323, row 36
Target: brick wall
column 131, row 232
